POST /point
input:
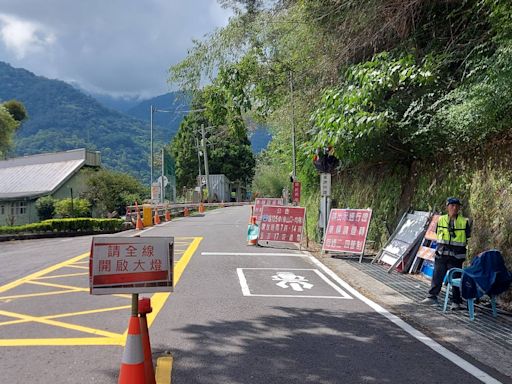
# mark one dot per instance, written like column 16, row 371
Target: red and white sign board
column 131, row 265
column 282, row 224
column 347, row 230
column 262, row 201
column 296, row 192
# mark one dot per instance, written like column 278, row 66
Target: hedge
column 66, row 225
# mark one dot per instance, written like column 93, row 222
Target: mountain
column 61, row 118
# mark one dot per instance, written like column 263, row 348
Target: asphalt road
column 239, row 314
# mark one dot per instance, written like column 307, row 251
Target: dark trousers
column 441, row 265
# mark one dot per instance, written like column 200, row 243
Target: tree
column 12, row 113
column 111, row 191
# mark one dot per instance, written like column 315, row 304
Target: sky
column 122, row 48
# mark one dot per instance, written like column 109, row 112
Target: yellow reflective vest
column 452, row 239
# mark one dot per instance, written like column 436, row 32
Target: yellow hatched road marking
column 68, row 314
column 108, row 338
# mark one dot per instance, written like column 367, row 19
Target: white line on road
column 455, row 359
column 253, row 254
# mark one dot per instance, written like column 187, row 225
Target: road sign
column 260, row 202
column 296, row 192
column 347, row 230
column 131, row 265
column 282, row 224
column 325, row 184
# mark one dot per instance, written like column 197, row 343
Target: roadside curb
column 163, row 369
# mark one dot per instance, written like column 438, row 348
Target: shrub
column 66, row 225
column 45, row 207
column 73, row 208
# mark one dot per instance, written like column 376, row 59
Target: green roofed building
column 25, row 179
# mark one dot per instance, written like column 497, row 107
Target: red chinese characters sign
column 282, row 224
column 131, row 265
column 347, row 230
column 260, row 202
column 296, row 192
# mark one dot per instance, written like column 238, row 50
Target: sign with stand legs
column 282, row 224
column 346, row 231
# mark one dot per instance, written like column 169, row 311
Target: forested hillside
column 412, row 96
column 61, row 117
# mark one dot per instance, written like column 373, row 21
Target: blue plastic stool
column 455, row 282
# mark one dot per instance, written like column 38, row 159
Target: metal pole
column 162, row 184
column 294, row 169
column 199, row 166
column 151, row 144
column 135, row 304
column 205, row 154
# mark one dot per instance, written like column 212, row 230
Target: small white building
column 25, row 179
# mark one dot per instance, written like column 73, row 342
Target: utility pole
column 199, row 166
column 162, row 183
column 205, row 154
column 294, row 169
column 151, row 144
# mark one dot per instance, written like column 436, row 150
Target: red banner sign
column 347, row 230
column 283, row 224
column 296, row 192
column 260, row 202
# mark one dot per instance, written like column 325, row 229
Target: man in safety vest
column 453, row 231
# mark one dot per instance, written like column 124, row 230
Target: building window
column 2, row 209
column 18, row 208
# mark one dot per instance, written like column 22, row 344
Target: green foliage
column 110, row 191
column 66, row 225
column 369, row 115
column 12, row 113
column 45, row 207
column 269, row 180
column 72, row 208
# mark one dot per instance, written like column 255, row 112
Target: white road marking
column 247, row 292
column 455, row 359
column 254, row 254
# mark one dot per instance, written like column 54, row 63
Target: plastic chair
column 456, row 282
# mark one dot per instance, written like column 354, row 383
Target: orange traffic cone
column 145, row 308
column 132, row 365
column 167, row 215
column 185, row 212
column 156, row 217
column 139, row 224
column 201, row 207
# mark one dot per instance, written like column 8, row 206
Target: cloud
column 118, row 47
column 22, row 36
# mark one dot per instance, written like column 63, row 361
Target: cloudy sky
column 117, row 47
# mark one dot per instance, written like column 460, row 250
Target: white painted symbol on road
column 295, row 282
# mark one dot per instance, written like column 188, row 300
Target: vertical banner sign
column 282, row 224
column 260, row 202
column 347, row 230
column 296, row 192
column 131, row 265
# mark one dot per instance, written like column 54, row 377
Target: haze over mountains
column 62, row 117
